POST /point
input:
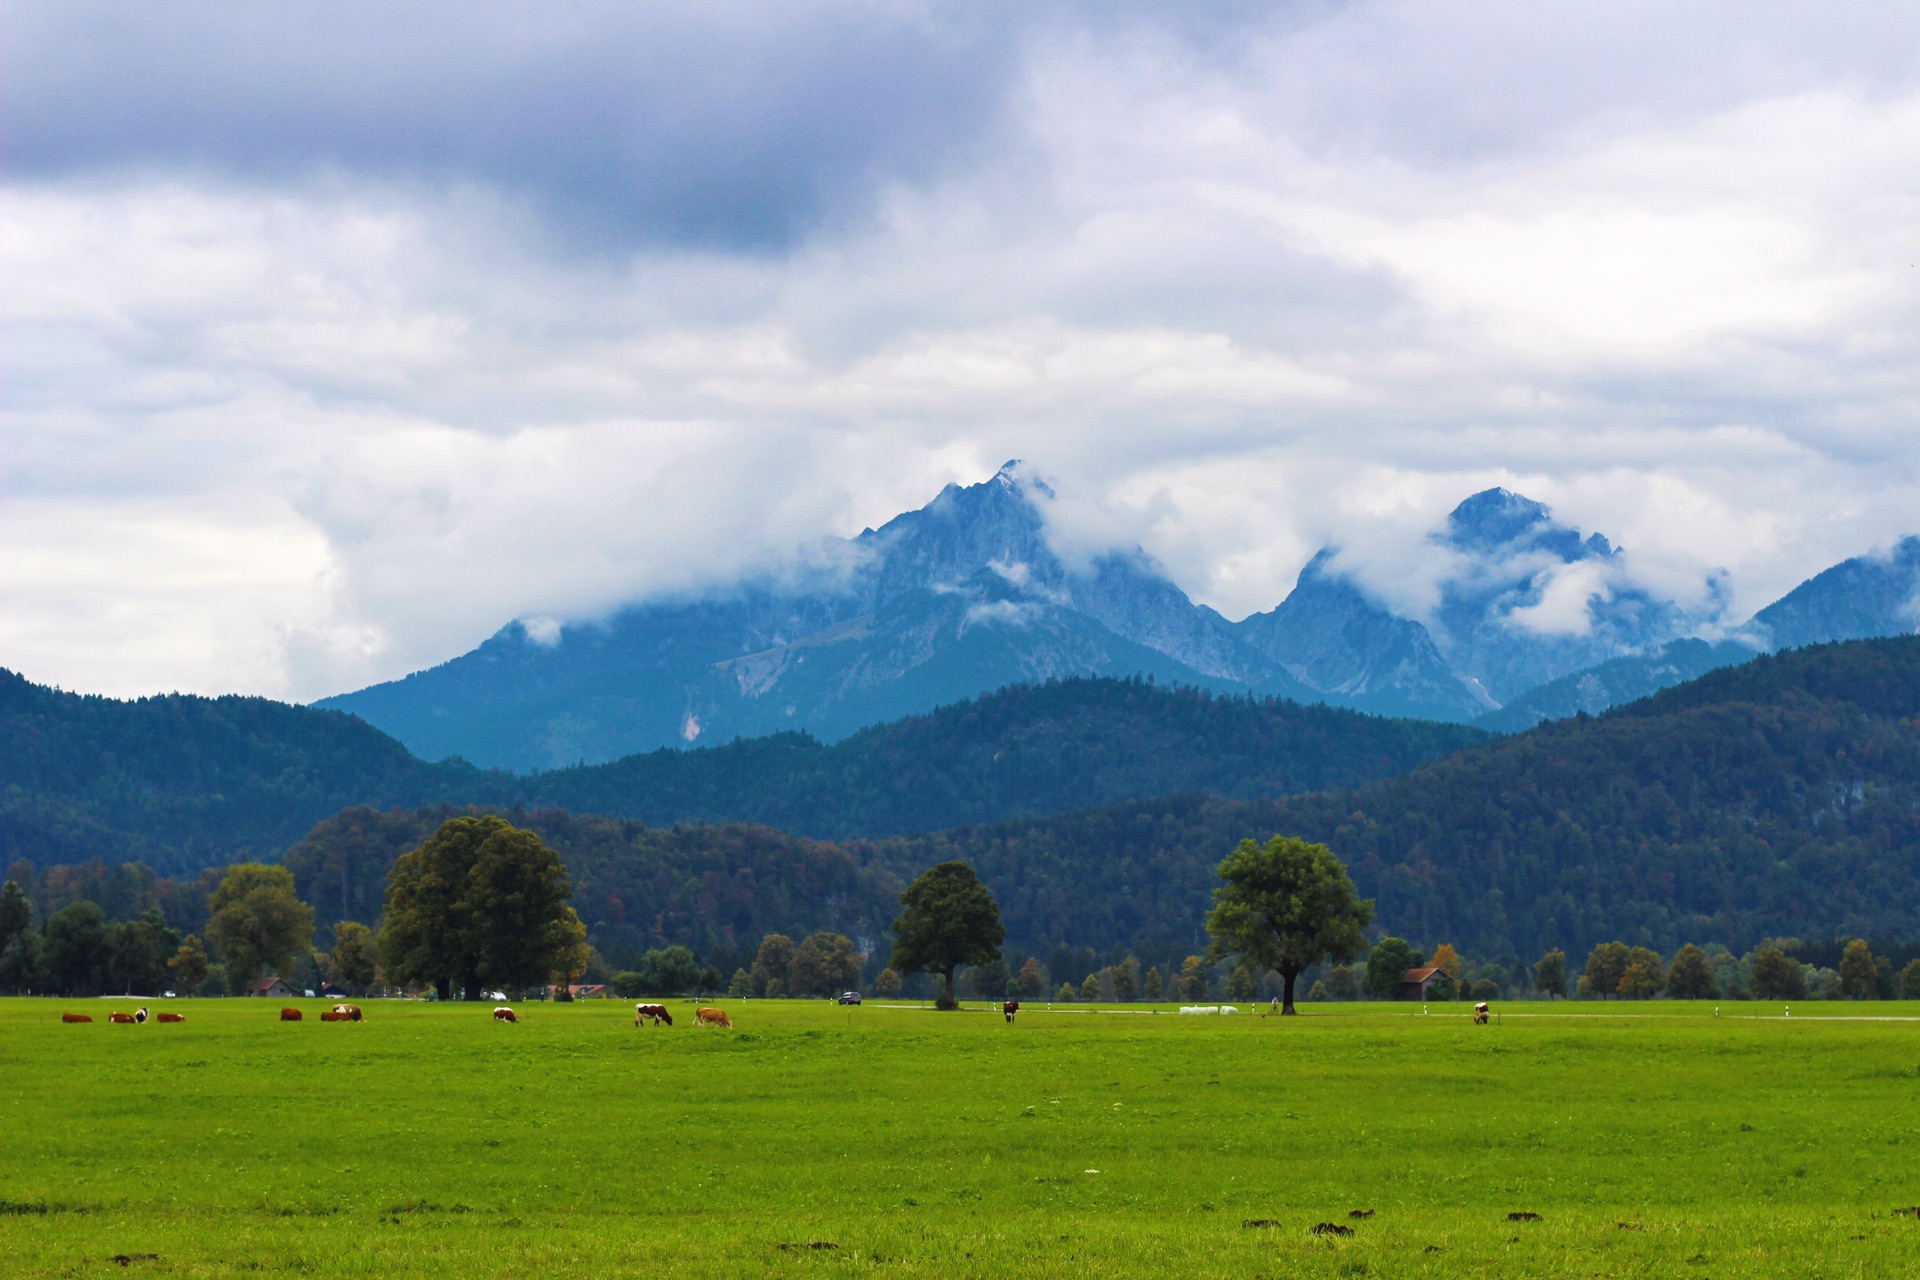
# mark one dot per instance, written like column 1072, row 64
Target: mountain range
column 1534, row 620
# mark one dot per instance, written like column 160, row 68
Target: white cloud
column 1237, row 295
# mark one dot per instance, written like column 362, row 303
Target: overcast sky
column 337, row 335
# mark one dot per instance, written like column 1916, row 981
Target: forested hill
column 181, row 783
column 1778, row 798
column 1026, row 750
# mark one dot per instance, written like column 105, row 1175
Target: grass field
column 1652, row 1140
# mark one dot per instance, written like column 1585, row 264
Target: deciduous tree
column 355, row 957
column 1690, row 976
column 949, row 920
column 1090, row 989
column 1606, row 965
column 1387, row 964
column 1551, row 974
column 1126, row 980
column 1155, row 985
column 887, row 984
column 825, row 964
column 771, row 964
column 1643, row 977
column 1910, row 981
column 1032, row 982
column 1286, row 905
column 571, row 954
column 1858, row 977
column 74, row 948
column 257, row 920
column 668, row 971
column 1776, row 975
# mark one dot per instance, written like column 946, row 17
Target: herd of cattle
column 654, row 1013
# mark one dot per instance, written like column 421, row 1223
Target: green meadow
column 811, row 1140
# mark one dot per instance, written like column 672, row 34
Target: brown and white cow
column 334, row 1015
column 1009, row 1008
column 657, row 1012
column 713, row 1017
column 289, row 1015
column 169, row 1017
column 351, row 1012
column 121, row 1017
column 504, row 1014
column 75, row 1017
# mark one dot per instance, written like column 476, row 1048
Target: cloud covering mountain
column 339, row 333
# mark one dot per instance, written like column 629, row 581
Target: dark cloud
column 736, row 126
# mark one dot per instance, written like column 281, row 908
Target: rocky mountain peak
column 1500, row 521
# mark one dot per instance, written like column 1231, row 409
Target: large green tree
column 74, row 949
column 1286, row 906
column 949, row 920
column 1859, row 977
column 1387, row 964
column 19, row 940
column 1606, row 965
column 1776, row 975
column 189, row 966
column 1551, row 973
column 1690, row 976
column 825, row 964
column 355, row 955
column 16, row 912
column 481, row 902
column 257, row 920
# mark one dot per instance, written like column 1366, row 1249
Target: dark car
column 849, row 997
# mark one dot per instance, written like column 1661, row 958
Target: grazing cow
column 657, row 1012
column 121, row 1017
column 713, row 1017
column 75, row 1017
column 140, row 1014
column 504, row 1014
column 170, row 1017
column 1480, row 1015
column 351, row 1012
column 289, row 1015
column 1010, row 1008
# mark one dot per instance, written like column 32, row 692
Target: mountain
column 1857, row 599
column 958, row 598
column 1616, row 681
column 1330, row 637
column 1776, row 798
column 180, row 783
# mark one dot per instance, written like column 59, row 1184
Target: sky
column 335, row 336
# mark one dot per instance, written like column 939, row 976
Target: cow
column 713, row 1017
column 504, row 1014
column 1009, row 1008
column 121, row 1017
column 289, row 1015
column 140, row 1014
column 350, row 1011
column 1480, row 1014
column 75, row 1017
column 657, row 1012
column 334, row 1015
column 170, row 1017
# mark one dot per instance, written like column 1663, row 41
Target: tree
column 1858, row 977
column 771, row 964
column 1319, row 993
column 1643, row 977
column 355, row 958
column 1606, row 965
column 1776, row 976
column 742, row 984
column 1286, row 906
column 480, row 903
column 258, row 921
column 16, row 913
column 1446, row 960
column 1387, row 964
column 667, row 971
column 1090, row 989
column 189, row 965
column 1126, row 980
column 1032, row 982
column 571, row 954
column 1067, row 993
column 1910, row 981
column 709, row 979
column 824, row 965
column 1484, row 989
column 887, row 984
column 1343, row 984
column 991, row 980
column 1690, row 976
column 74, row 948
column 1155, row 986
column 137, row 952
column 1241, row 985
column 950, row 920
column 1551, row 974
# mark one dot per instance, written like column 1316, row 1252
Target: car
column 849, row 997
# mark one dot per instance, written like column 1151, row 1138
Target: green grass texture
column 813, row 1140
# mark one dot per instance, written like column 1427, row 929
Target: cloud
column 339, row 337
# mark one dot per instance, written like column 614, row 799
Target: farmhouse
column 1414, row 983
column 271, row 987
